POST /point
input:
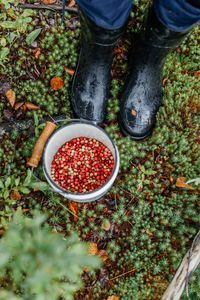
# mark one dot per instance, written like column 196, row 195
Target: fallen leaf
column 149, row 232
column 165, row 79
column 103, row 254
column 73, row 206
column 106, row 225
column 10, row 94
column 180, row 182
column 197, row 73
column 37, row 52
column 113, row 297
column 118, row 50
column 30, row 106
column 18, row 105
column 93, row 249
column 25, row 210
column 171, row 179
column 134, row 113
column 57, row 83
column 46, row 2
column 15, row 195
column 198, row 202
column 72, row 3
column 69, row 71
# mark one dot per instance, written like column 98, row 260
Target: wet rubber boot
column 91, row 82
column 142, row 93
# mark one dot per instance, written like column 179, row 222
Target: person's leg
column 110, row 14
column 167, row 24
column 178, row 15
column 102, row 24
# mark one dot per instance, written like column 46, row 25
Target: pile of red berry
column 82, row 165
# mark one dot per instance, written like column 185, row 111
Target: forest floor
column 145, row 224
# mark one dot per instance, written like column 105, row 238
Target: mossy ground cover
column 145, row 223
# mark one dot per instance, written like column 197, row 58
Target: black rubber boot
column 142, row 94
column 90, row 87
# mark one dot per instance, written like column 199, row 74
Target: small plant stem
column 125, row 191
column 123, row 274
column 130, row 223
column 65, row 208
column 51, row 7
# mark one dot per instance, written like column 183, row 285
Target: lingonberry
column 82, row 165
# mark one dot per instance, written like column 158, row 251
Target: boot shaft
column 157, row 34
column 94, row 34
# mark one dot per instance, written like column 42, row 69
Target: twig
column 123, row 274
column 184, row 272
column 125, row 191
column 51, row 7
column 65, row 208
column 193, row 180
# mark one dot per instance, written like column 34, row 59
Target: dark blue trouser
column 177, row 15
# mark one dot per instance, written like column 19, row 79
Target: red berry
column 82, row 165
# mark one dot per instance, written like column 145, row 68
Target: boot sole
column 126, row 133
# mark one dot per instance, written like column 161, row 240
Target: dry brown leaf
column 165, row 79
column 57, row 83
column 15, row 195
column 106, row 225
column 134, row 113
column 197, row 73
column 103, row 254
column 72, row 3
column 73, row 206
column 93, row 249
column 46, row 2
column 10, row 94
column 25, row 210
column 180, row 182
column 18, row 105
column 113, row 297
column 30, row 106
column 118, row 50
column 37, row 52
column 69, row 71
column 149, row 232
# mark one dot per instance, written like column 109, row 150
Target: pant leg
column 178, row 15
column 110, row 14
